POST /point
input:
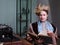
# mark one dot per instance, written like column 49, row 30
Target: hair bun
column 41, row 7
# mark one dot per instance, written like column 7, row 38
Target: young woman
column 43, row 26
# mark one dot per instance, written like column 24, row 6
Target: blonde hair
column 40, row 8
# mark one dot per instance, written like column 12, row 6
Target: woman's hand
column 29, row 38
column 51, row 34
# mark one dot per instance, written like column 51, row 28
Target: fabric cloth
column 48, row 26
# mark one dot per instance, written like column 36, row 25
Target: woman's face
column 43, row 16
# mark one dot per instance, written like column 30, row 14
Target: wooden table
column 19, row 42
column 13, row 43
column 25, row 42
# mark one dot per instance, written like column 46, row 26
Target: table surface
column 19, row 42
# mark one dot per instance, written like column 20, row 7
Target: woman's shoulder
column 50, row 23
column 34, row 22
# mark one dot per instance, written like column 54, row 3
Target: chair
column 38, row 41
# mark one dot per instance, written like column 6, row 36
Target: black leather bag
column 6, row 34
column 5, row 31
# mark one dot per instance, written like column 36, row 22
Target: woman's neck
column 42, row 21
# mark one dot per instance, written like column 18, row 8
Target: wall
column 34, row 17
column 55, row 10
column 8, row 13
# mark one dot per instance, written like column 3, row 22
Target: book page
column 43, row 33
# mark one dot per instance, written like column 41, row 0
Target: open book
column 40, row 35
column 43, row 33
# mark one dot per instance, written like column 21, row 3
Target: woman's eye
column 42, row 15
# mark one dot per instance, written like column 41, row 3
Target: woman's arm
column 53, row 36
column 30, row 32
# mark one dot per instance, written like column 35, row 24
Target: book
column 40, row 35
column 43, row 33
